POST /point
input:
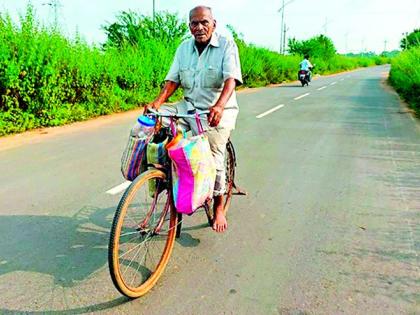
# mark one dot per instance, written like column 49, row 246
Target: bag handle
column 173, row 127
column 199, row 125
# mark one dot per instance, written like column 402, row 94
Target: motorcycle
column 303, row 76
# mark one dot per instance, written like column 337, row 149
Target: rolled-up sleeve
column 173, row 74
column 231, row 64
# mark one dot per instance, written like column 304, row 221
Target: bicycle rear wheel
column 230, row 164
column 142, row 234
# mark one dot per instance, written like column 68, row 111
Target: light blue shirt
column 203, row 76
column 305, row 65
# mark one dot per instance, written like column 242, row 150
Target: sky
column 353, row 25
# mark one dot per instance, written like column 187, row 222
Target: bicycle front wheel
column 142, row 234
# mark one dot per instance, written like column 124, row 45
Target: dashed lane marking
column 117, row 189
column 270, row 111
column 333, row 83
column 301, row 96
column 321, row 88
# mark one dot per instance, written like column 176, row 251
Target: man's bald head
column 201, row 8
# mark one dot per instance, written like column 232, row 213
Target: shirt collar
column 214, row 41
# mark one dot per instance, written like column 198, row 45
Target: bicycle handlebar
column 155, row 112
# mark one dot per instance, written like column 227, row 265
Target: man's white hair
column 201, row 7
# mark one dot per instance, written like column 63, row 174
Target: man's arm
column 168, row 89
column 216, row 111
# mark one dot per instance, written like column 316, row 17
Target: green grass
column 405, row 76
column 49, row 80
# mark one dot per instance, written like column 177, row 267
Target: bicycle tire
column 230, row 174
column 230, row 164
column 116, row 261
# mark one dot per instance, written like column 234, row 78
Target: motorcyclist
column 306, row 65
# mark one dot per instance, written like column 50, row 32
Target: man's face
column 202, row 25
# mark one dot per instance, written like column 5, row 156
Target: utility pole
column 285, row 29
column 385, row 42
column 154, row 13
column 325, row 25
column 282, row 26
column 54, row 4
column 346, row 36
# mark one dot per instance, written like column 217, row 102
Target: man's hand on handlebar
column 153, row 105
column 215, row 115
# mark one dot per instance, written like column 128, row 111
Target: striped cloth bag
column 133, row 160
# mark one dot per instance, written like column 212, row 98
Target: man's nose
column 200, row 26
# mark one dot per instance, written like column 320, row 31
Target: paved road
column 330, row 226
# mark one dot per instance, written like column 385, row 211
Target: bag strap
column 172, row 126
column 199, row 125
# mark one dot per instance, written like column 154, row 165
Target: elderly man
column 208, row 69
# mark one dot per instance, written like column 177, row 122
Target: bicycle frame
column 167, row 169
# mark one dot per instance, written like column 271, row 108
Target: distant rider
column 306, row 65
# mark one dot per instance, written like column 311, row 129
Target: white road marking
column 342, row 79
column 333, row 83
column 301, row 96
column 270, row 111
column 117, row 189
column 321, row 88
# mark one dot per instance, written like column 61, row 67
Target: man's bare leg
column 219, row 221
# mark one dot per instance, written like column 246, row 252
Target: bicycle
column 146, row 224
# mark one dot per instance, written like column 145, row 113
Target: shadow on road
column 80, row 310
column 72, row 250
column 67, row 248
column 295, row 86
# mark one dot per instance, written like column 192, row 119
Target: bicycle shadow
column 67, row 248
column 79, row 310
column 186, row 239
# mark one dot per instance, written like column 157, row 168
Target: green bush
column 48, row 80
column 405, row 76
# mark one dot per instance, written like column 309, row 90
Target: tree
column 319, row 46
column 132, row 28
column 411, row 40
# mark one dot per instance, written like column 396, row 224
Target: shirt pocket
column 212, row 78
column 187, row 78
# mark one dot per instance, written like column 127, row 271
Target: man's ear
column 214, row 23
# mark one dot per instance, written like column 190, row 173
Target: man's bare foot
column 219, row 221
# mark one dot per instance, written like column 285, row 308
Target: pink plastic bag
column 194, row 172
